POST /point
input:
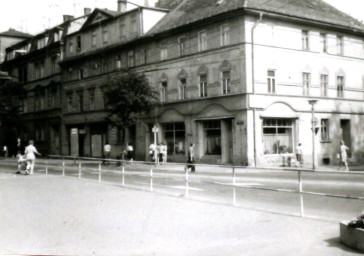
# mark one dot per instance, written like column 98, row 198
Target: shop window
column 175, row 138
column 212, row 130
column 277, row 136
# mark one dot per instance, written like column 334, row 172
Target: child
column 22, row 164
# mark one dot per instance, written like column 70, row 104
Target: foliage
column 127, row 97
column 10, row 110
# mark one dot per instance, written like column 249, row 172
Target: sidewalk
column 61, row 216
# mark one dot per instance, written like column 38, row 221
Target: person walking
column 191, row 158
column 5, row 151
column 343, row 156
column 152, row 149
column 130, row 152
column 30, row 152
column 19, row 146
column 299, row 155
column 107, row 153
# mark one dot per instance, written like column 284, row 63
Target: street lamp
column 155, row 130
column 313, row 124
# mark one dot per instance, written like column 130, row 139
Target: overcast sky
column 33, row 16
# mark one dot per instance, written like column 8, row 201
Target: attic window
column 220, row 2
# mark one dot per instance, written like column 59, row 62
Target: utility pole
column 313, row 125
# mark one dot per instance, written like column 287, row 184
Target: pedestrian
column 130, row 152
column 299, row 155
column 164, row 153
column 343, row 156
column 107, row 153
column 19, row 146
column 191, row 158
column 5, row 151
column 152, row 149
column 160, row 152
column 30, row 152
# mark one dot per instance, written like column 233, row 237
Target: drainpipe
column 253, row 86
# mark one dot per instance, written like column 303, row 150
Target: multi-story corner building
column 34, row 63
column 92, row 55
column 234, row 77
column 9, row 38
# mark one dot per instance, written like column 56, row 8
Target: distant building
column 9, row 38
column 234, row 78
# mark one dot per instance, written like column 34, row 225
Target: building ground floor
column 229, row 131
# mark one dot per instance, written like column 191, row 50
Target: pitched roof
column 189, row 11
column 14, row 33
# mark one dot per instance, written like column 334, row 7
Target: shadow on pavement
column 335, row 242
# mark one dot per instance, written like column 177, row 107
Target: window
column 175, row 138
column 225, row 35
column 324, row 85
column 105, row 35
column 182, row 45
column 340, row 86
column 105, row 67
column 69, row 102
column 203, row 85
column 80, row 101
column 323, row 39
column 70, row 45
column 340, row 45
column 306, row 83
column 163, row 96
column 39, row 70
column 54, row 65
column 41, row 43
column 80, row 73
column 164, row 53
column 325, row 130
column 202, row 41
column 91, row 94
column 25, row 105
column 122, row 31
column 42, row 100
column 118, row 61
column 278, row 136
column 182, row 89
column 212, row 130
column 93, row 38
column 79, row 43
column 23, row 74
column 271, row 80
column 134, row 27
column 141, row 57
column 56, row 36
column 225, row 82
column 305, row 40
column 130, row 58
column 52, row 98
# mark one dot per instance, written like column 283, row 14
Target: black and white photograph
column 182, row 127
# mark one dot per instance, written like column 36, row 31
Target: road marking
column 184, row 188
column 239, row 184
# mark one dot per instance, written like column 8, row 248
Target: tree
column 127, row 97
column 10, row 120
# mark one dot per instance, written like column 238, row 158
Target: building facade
column 10, row 37
column 234, row 78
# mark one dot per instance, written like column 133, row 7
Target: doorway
column 346, row 133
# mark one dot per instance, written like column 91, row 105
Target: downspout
column 253, row 86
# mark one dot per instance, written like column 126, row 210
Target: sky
column 34, row 16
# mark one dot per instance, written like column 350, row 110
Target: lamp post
column 155, row 131
column 313, row 124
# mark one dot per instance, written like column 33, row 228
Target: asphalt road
column 253, row 189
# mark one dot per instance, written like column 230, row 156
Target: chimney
column 86, row 11
column 122, row 5
column 67, row 18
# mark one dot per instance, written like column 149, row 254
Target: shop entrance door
column 96, row 145
column 346, row 134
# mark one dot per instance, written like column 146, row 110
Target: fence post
column 99, row 172
column 151, row 177
column 79, row 170
column 63, row 168
column 301, row 195
column 234, row 176
column 186, row 174
column 46, row 166
column 123, row 167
